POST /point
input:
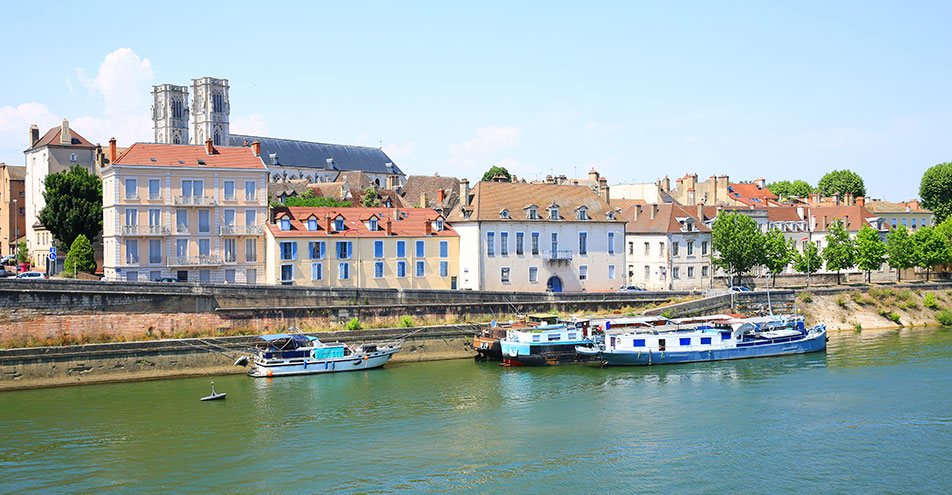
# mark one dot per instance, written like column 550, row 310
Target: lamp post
column 16, row 226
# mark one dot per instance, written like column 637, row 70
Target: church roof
column 307, row 154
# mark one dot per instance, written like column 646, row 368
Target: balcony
column 240, row 230
column 194, row 201
column 200, row 260
column 146, row 230
column 557, row 255
column 155, row 196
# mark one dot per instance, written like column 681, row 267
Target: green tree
column 737, row 243
column 936, row 190
column 315, row 202
column 809, row 260
column 494, row 171
column 841, row 182
column 931, row 249
column 777, row 252
column 786, row 188
column 870, row 250
column 370, row 199
column 840, row 252
column 73, row 206
column 81, row 257
column 901, row 250
column 23, row 253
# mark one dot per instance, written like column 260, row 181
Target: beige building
column 12, row 207
column 909, row 214
column 667, row 247
column 413, row 248
column 195, row 213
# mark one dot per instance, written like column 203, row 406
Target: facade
column 12, row 207
column 538, row 237
column 170, row 113
column 909, row 214
column 195, row 213
column 667, row 247
column 210, row 111
column 59, row 149
column 411, row 248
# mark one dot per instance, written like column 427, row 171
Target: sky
column 636, row 90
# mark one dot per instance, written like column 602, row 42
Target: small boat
column 486, row 342
column 548, row 344
column 711, row 338
column 295, row 354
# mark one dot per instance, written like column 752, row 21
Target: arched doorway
column 554, row 284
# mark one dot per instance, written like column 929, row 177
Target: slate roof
column 306, row 154
column 488, row 199
column 52, row 138
column 188, row 155
column 411, row 223
column 665, row 219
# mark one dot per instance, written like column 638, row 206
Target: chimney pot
column 209, row 149
column 860, row 201
column 112, row 150
column 34, row 135
column 389, row 226
column 441, row 196
column 464, row 192
column 654, row 210
column 256, row 147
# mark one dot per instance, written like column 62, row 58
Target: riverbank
column 877, row 307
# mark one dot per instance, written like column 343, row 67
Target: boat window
column 571, row 336
column 638, row 343
column 725, row 335
column 686, row 341
column 535, row 338
column 554, row 337
column 705, row 340
column 660, row 344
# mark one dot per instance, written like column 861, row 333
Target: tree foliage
column 315, row 202
column 839, row 253
column 370, row 198
column 23, row 253
column 901, row 250
column 786, row 188
column 931, row 249
column 777, row 252
column 809, row 260
column 80, row 257
column 841, row 182
column 737, row 243
column 935, row 189
column 870, row 250
column 496, row 170
column 73, row 206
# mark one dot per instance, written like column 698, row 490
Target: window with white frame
column 228, row 190
column 647, row 272
column 251, row 217
column 132, row 252
column 317, row 271
column 661, row 248
column 504, row 214
column 582, row 243
column 444, row 268
column 401, row 269
column 312, row 224
column 535, row 243
column 504, row 243
column 611, row 272
column 288, row 250
column 504, row 274
column 703, row 271
column 287, row 273
column 690, row 272
column 676, row 272
column 343, row 270
column 155, row 217
column 582, row 213
column 228, row 218
column 532, row 213
column 420, row 249
column 554, row 213
column 181, row 248
column 520, row 240
column 132, row 217
column 378, row 249
column 490, row 243
column 378, row 269
column 647, row 249
column 533, row 274
column 401, row 249
column 251, row 250
column 611, row 243
column 181, row 220
column 204, row 247
column 690, row 248
column 703, row 248
column 675, row 248
column 339, row 225
column 155, row 189
column 316, row 249
column 373, row 225
column 440, row 226
column 204, row 221
column 420, row 268
column 155, row 251
column 444, row 249
column 251, row 190
column 582, row 272
column 131, row 191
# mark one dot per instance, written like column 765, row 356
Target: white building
column 667, row 247
column 538, row 237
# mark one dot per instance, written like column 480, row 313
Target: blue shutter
column 293, row 250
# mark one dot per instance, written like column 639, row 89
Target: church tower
column 170, row 114
column 210, row 110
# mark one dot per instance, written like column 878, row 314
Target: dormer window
column 581, row 213
column 339, row 225
column 504, row 214
column 554, row 213
column 532, row 213
column 373, row 225
column 312, row 224
column 285, row 224
column 439, row 225
column 610, row 215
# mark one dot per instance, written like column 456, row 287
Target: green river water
column 871, row 415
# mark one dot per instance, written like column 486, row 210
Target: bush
column 880, row 293
column 857, row 326
column 805, row 297
column 667, row 314
column 889, row 315
column 841, row 301
column 944, row 317
column 406, row 321
column 353, row 324
column 929, row 301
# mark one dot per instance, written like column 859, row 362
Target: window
column 647, row 249
column 155, row 189
column 378, row 269
column 231, row 250
column 132, row 216
column 228, row 190
column 229, row 218
column 703, row 271
column 181, row 249
column 401, row 249
column 439, row 225
column 316, row 249
column 288, row 250
column 131, row 189
column 251, row 217
column 504, row 274
column 193, row 188
column 903, row 222
column 373, row 225
column 913, row 223
column 520, row 236
column 703, row 247
column 555, row 242
column 611, row 272
column 420, row 249
column 378, row 249
column 444, row 249
column 343, row 270
column 204, row 222
column 339, row 225
column 401, row 269
column 251, row 250
column 285, row 224
column 661, row 248
column 533, row 274
column 73, row 157
column 155, row 251
column 287, row 274
column 638, row 343
column 675, row 248
column 647, row 272
column 312, row 224
column 554, row 213
column 675, row 272
column 894, row 222
column 251, row 190
column 535, row 243
column 583, row 243
column 685, row 341
column 504, row 214
column 631, row 248
column 205, row 247
column 155, row 275
column 344, row 250
column 132, row 252
column 444, row 268
column 420, row 268
column 582, row 272
column 611, row 243
column 582, row 213
column 532, row 213
column 230, row 276
column 690, row 248
column 504, row 243
column 251, row 276
column 705, row 341
column 490, row 244
column 155, row 217
column 690, row 272
column 132, row 276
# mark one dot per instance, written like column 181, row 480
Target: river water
column 871, row 415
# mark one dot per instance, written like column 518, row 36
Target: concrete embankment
column 96, row 363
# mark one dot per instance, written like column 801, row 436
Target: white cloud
column 124, row 81
column 399, row 151
column 488, row 141
column 16, row 120
column 690, row 139
column 253, row 125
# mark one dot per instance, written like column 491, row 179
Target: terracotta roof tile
column 411, row 222
column 665, row 219
column 490, row 198
column 187, row 155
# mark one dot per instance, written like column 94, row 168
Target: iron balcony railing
column 195, row 201
column 146, row 230
column 240, row 230
column 202, row 259
column 558, row 255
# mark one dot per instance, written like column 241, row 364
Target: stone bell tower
column 210, row 111
column 170, row 114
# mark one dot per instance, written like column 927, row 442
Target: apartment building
column 412, row 248
column 12, row 207
column 909, row 214
column 667, row 247
column 195, row 213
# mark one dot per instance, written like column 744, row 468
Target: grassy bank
column 879, row 307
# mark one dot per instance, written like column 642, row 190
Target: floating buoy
column 269, row 373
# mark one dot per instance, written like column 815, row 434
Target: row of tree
column 739, row 246
column 841, row 182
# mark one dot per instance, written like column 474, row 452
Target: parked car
column 6, row 274
column 33, row 274
column 740, row 288
column 167, row 279
column 8, row 259
column 630, row 288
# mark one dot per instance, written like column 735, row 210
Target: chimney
column 800, row 212
column 112, row 150
column 666, row 183
column 441, row 196
column 760, row 182
column 389, row 226
column 914, row 203
column 327, row 223
column 603, row 189
column 464, row 192
column 34, row 135
column 836, row 199
column 593, row 176
column 691, row 195
column 637, row 212
column 423, row 200
column 700, row 212
column 427, row 227
column 65, row 136
column 654, row 210
column 861, row 201
column 848, row 199
column 209, row 149
column 256, row 147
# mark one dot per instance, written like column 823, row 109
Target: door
column 554, row 284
